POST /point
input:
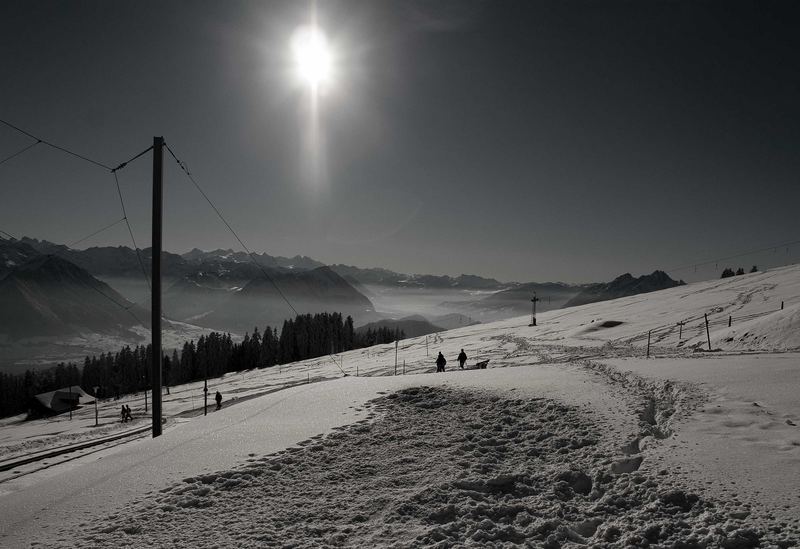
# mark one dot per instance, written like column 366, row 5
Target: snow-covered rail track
column 20, row 461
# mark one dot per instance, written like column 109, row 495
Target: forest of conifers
column 128, row 370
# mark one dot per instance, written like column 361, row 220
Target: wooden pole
column 155, row 276
column 96, row 416
column 680, row 330
column 730, row 319
column 648, row 343
column 708, row 335
column 395, row 357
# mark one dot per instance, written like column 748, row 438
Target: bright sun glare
column 312, row 56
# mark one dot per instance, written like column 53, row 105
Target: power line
column 219, row 214
column 16, row 154
column 191, row 178
column 127, row 223
column 108, row 297
column 58, row 147
column 144, row 152
column 743, row 254
column 87, row 237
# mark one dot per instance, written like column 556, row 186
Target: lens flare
column 312, row 56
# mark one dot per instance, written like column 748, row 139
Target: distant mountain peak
column 623, row 286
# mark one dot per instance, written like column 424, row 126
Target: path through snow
column 438, row 467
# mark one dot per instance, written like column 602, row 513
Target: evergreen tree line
column 128, row 370
column 728, row 272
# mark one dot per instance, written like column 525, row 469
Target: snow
column 571, row 437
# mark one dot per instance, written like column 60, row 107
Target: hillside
column 572, row 437
column 261, row 301
column 50, row 296
column 516, row 300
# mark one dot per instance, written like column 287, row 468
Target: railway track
column 55, row 456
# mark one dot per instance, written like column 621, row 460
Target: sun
column 312, row 57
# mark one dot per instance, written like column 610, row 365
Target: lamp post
column 534, row 299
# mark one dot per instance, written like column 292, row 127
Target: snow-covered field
column 585, row 441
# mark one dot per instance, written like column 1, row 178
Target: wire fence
column 695, row 326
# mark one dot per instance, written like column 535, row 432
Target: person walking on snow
column 218, row 398
column 440, row 362
column 462, row 358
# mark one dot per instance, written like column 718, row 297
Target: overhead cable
column 743, row 254
column 191, row 178
column 87, row 237
column 58, row 147
column 19, row 152
column 128, row 224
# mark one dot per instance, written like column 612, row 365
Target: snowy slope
column 721, row 427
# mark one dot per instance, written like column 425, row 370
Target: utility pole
column 395, row 355
column 533, row 310
column 96, row 417
column 155, row 276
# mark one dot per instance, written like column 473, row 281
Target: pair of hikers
column 441, row 361
column 125, row 412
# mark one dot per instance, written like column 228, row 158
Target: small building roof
column 63, row 399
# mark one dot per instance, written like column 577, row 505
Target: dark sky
column 521, row 140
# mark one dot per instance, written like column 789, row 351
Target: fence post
column 781, row 305
column 708, row 334
column 404, row 367
column 648, row 343
column 395, row 357
column 730, row 319
column 680, row 331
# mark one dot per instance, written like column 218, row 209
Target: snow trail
column 438, row 467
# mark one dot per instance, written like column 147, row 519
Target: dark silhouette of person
column 462, row 358
column 440, row 362
column 218, row 398
column 128, row 413
column 124, row 414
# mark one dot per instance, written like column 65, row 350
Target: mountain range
column 48, row 290
column 624, row 286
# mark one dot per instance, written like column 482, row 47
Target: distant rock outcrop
column 624, row 286
column 14, row 253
